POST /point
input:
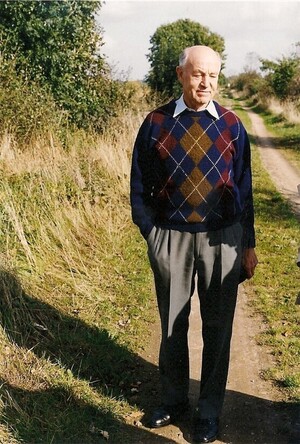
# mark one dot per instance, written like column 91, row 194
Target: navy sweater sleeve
column 243, row 179
column 142, row 182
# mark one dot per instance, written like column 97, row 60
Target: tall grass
column 287, row 109
column 75, row 287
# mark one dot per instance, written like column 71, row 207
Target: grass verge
column 276, row 285
column 287, row 135
column 76, row 291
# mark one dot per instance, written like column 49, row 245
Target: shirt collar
column 181, row 106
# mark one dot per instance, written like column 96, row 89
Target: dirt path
column 253, row 411
column 284, row 175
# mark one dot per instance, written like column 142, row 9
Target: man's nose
column 204, row 80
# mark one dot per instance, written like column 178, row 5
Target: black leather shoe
column 166, row 414
column 205, row 430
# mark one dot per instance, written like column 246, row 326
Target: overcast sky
column 268, row 29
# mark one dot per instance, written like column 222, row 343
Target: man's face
column 199, row 77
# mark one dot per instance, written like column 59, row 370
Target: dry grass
column 286, row 109
column 74, row 287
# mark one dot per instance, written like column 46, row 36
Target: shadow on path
column 249, row 419
column 246, row 419
column 56, row 414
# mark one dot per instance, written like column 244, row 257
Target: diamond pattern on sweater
column 194, row 217
column 167, row 143
column 196, row 142
column 195, row 187
column 196, row 153
column 194, row 170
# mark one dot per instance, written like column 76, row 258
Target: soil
column 255, row 411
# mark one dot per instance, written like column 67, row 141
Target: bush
column 26, row 109
column 52, row 50
column 248, row 83
column 29, row 110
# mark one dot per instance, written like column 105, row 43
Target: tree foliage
column 279, row 79
column 26, row 108
column 283, row 76
column 249, row 83
column 57, row 45
column 167, row 43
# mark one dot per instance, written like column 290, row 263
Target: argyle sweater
column 192, row 173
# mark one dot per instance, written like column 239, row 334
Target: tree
column 168, row 42
column 283, row 76
column 57, row 44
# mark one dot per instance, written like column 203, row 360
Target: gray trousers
column 176, row 258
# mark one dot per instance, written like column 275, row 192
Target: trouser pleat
column 175, row 259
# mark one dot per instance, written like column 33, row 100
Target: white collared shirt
column 181, row 106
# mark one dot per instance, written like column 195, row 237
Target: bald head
column 199, row 51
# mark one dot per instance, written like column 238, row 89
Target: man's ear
column 179, row 73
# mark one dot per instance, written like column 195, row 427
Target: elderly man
column 191, row 197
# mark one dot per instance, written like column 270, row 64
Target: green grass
column 276, row 285
column 77, row 301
